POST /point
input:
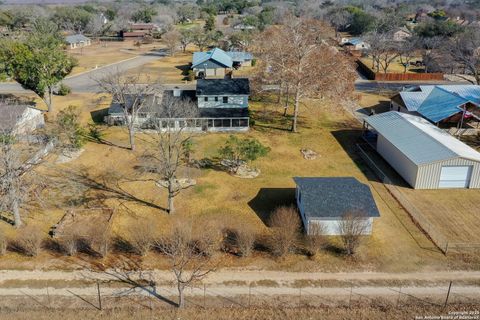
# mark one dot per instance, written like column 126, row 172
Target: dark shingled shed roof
column 222, row 87
column 333, row 197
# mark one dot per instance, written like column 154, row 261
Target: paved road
column 85, row 82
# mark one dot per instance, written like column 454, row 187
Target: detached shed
column 425, row 156
column 325, row 201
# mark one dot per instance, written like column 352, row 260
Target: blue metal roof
column 354, row 41
column 438, row 102
column 217, row 54
column 441, row 104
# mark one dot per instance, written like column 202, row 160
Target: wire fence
column 432, row 232
column 101, row 297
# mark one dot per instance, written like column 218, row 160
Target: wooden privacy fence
column 432, row 232
column 380, row 76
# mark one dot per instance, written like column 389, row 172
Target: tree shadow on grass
column 268, row 199
column 108, row 184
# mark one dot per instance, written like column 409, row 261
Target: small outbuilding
column 425, row 156
column 325, row 200
column 78, row 41
column 19, row 119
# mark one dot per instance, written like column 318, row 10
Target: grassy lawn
column 454, row 212
column 167, row 70
column 395, row 67
column 101, row 54
column 221, row 198
column 191, row 25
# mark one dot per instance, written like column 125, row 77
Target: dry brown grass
column 168, row 70
column 371, row 310
column 452, row 212
column 98, row 55
column 221, row 197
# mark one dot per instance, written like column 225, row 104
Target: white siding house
column 325, row 200
column 425, row 156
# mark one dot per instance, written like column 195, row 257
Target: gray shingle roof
column 332, row 197
column 76, row 38
column 219, row 87
column 10, row 114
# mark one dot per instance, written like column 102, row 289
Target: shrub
column 94, row 132
column 29, row 241
column 190, row 75
column 3, row 244
column 63, row 90
column 316, row 238
column 254, row 62
column 70, row 242
column 238, row 151
column 285, row 226
column 352, row 228
column 245, row 238
column 141, row 236
column 70, row 133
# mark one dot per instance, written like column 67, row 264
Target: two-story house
column 221, row 105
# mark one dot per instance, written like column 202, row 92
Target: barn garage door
column 455, row 177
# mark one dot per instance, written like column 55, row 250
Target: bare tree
column 200, row 38
column 407, row 52
column 285, row 226
column 172, row 40
column 351, row 228
column 305, row 62
column 186, row 37
column 170, row 142
column 18, row 181
column 465, row 51
column 189, row 253
column 130, row 95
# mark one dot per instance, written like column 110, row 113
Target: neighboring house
column 19, row 119
column 217, row 63
column 325, row 201
column 77, row 41
column 402, row 34
column 425, row 156
column 440, row 103
column 221, row 105
column 139, row 30
column 355, row 44
column 243, row 27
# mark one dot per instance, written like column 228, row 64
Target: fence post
column 448, row 295
column 99, row 296
column 399, row 296
column 300, row 297
column 446, row 248
column 249, row 293
column 204, row 295
column 350, row 299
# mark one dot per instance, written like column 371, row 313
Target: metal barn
column 425, row 156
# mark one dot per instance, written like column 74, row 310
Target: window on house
column 225, row 99
column 216, row 99
column 206, row 98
